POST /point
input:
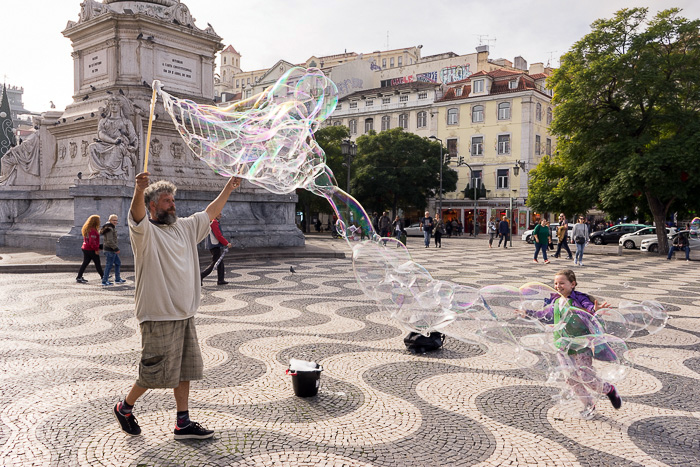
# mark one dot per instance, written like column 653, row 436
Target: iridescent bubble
column 268, row 140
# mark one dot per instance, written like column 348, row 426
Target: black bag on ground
column 418, row 343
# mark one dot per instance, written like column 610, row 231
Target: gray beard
column 165, row 217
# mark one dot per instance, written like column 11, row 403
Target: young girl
column 91, row 247
column 578, row 364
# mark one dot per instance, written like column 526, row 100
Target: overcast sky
column 35, row 54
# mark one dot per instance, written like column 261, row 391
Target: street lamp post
column 441, row 164
column 349, row 150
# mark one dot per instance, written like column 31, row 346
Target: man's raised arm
column 138, row 207
column 215, row 207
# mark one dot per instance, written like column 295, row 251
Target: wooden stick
column 148, row 134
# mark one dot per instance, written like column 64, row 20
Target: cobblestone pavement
column 70, row 351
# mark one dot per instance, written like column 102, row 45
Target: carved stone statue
column 24, row 157
column 113, row 154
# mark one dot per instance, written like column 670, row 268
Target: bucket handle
column 288, row 371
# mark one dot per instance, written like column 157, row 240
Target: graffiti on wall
column 349, row 85
column 454, row 73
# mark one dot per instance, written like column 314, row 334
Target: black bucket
column 305, row 383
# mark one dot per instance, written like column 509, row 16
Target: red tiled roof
column 501, row 73
column 538, row 76
column 230, row 49
column 451, row 93
column 499, row 86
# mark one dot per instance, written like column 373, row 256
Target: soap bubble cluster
column 268, row 140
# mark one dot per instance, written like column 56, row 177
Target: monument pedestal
column 118, row 46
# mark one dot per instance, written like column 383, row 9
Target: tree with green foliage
column 328, row 138
column 397, row 169
column 627, row 119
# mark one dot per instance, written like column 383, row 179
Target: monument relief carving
column 63, row 151
column 113, row 154
column 176, row 150
column 84, row 148
column 73, row 149
column 24, row 157
column 156, row 147
column 90, row 9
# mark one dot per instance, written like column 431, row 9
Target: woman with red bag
column 91, row 247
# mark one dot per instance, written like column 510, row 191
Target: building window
column 538, row 112
column 452, row 148
column 502, row 178
column 224, row 60
column 383, row 62
column 476, row 178
column 403, row 121
column 391, row 62
column 549, row 147
column 339, row 107
column 478, row 86
column 453, row 116
column 353, row 126
column 538, row 145
column 353, row 105
column 386, row 100
column 458, row 92
column 369, row 124
column 477, row 113
column 403, row 98
column 477, row 145
column 422, row 95
column 386, row 122
column 369, row 102
column 503, row 144
column 238, row 83
column 513, row 84
column 336, row 123
column 400, row 61
column 504, row 111
column 422, row 119
column 549, row 115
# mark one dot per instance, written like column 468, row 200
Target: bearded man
column 167, row 297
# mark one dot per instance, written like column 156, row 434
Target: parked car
column 613, row 234
column 414, row 230
column 634, row 240
column 527, row 235
column 652, row 244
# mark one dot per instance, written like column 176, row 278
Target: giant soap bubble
column 269, row 140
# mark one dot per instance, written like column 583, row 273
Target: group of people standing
column 91, row 231
column 542, row 236
column 91, row 249
column 500, row 230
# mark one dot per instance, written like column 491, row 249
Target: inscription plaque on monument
column 95, row 65
column 176, row 67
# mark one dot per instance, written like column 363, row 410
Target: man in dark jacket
column 216, row 245
column 681, row 243
column 111, row 249
column 503, row 232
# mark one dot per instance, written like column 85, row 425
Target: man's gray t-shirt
column 167, row 267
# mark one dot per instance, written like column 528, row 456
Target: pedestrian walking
column 581, row 234
column 216, row 242
column 111, row 249
column 426, row 224
column 439, row 231
column 503, row 232
column 493, row 230
column 563, row 236
column 90, row 247
column 167, row 297
column 541, row 235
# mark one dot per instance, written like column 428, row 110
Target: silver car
column 652, row 244
column 634, row 240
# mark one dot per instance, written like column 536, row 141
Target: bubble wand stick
column 156, row 84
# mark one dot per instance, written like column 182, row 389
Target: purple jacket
column 578, row 300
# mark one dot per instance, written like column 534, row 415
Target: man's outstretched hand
column 143, row 180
